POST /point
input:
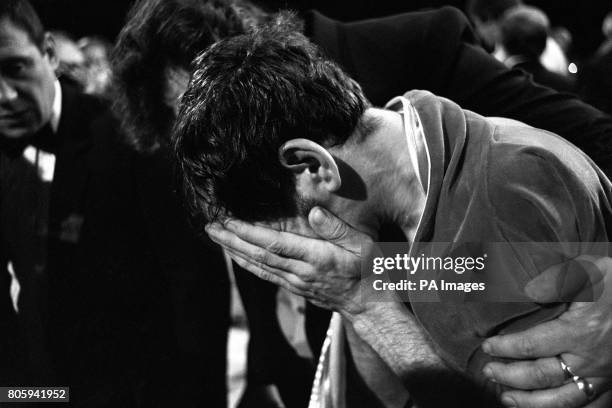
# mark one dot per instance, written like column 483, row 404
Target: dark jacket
column 545, row 77
column 152, row 296
column 45, row 252
column 595, row 82
column 435, row 51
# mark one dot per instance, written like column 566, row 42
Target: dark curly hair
column 248, row 95
column 160, row 34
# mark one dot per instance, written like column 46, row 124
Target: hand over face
column 325, row 269
column 582, row 337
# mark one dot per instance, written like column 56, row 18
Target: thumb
column 331, row 228
column 575, row 280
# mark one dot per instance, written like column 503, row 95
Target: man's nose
column 7, row 92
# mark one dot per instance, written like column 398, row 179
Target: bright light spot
column 573, row 68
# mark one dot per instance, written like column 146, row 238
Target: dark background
column 105, row 17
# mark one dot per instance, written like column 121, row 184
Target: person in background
column 595, row 77
column 606, row 29
column 563, row 37
column 151, row 66
column 523, row 32
column 71, row 59
column 46, row 126
column 486, row 16
column 157, row 294
column 96, row 51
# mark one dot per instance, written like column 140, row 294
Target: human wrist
column 376, row 316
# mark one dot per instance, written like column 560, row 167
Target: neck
column 394, row 192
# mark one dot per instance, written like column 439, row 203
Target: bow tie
column 44, row 139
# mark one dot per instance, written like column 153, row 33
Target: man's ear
column 306, row 158
column 48, row 50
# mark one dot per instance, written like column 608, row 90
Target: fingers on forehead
column 270, row 274
column 229, row 235
column 258, row 271
column 277, row 242
column 219, row 233
column 263, row 257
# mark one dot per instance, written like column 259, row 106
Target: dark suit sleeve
column 455, row 67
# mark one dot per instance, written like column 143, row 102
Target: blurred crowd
column 517, row 34
column 85, row 61
column 522, row 36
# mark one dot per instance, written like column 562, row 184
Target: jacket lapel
column 71, row 175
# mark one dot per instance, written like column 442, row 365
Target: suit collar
column 56, row 112
column 445, row 129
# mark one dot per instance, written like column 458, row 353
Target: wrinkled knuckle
column 307, row 293
column 233, row 242
column 261, row 263
column 319, row 296
column 497, row 374
column 302, row 251
column 516, row 400
column 261, row 266
column 299, row 287
column 326, row 263
column 526, row 347
column 540, row 376
column 307, row 277
column 264, row 275
column 261, row 257
column 275, row 247
column 339, row 230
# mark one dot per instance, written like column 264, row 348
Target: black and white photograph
column 306, row 204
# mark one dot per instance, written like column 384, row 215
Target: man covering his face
column 269, row 128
